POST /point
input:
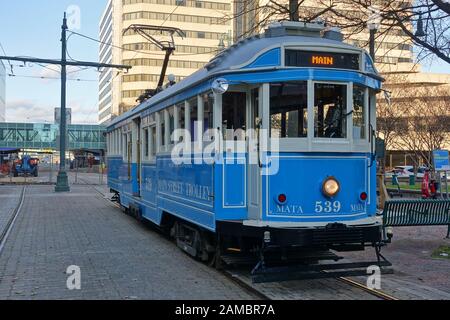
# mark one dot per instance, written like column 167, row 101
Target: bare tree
column 407, row 18
column 425, row 22
column 255, row 15
column 429, row 128
column 421, row 122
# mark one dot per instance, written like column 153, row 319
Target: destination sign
column 298, row 58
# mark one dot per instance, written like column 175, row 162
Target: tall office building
column 2, row 92
column 204, row 24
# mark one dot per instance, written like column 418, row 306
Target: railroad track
column 10, row 224
column 259, row 293
column 378, row 293
column 229, row 276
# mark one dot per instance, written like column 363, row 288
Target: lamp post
column 373, row 24
column 373, row 28
column 62, row 184
column 420, row 33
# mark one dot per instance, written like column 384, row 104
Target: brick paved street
column 119, row 258
column 417, row 275
column 122, row 259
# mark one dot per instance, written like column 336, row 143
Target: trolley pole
column 62, row 183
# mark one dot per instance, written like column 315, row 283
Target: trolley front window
column 289, row 110
column 330, row 110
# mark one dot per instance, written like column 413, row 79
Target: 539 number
column 327, row 206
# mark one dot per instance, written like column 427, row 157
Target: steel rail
column 6, row 232
column 375, row 292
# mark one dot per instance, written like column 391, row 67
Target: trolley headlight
column 331, row 187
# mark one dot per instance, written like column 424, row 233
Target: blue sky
column 32, row 28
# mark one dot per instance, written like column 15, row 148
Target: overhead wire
column 139, row 51
column 49, row 78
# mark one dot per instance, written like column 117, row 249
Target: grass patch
column 406, row 186
column 443, row 252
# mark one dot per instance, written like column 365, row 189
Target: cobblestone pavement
column 122, row 259
column 119, row 257
column 416, row 274
column 9, row 199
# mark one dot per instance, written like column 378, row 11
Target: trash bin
column 412, row 180
column 394, row 180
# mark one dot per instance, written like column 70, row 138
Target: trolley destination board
column 299, row 58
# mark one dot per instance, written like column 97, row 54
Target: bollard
column 395, row 180
column 412, row 180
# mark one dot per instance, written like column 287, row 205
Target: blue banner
column 440, row 160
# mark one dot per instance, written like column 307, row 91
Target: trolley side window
column 330, row 110
column 162, row 130
column 153, row 142
column 234, row 115
column 171, row 125
column 146, row 143
column 359, row 112
column 181, row 121
column 208, row 107
column 208, row 116
column 289, row 110
column 193, row 107
column 125, row 146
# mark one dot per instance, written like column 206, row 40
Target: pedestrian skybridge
column 46, row 136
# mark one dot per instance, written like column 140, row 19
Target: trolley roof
column 254, row 54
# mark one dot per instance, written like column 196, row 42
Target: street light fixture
column 221, row 44
column 420, row 33
column 373, row 28
column 373, row 24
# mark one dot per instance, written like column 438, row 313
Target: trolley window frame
column 320, row 144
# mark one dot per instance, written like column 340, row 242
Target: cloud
column 23, row 110
column 27, row 111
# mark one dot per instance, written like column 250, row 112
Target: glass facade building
column 2, row 92
column 46, row 136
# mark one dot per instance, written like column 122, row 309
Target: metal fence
column 90, row 170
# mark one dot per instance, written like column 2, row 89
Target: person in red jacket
column 426, row 185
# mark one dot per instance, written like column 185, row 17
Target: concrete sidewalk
column 119, row 258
